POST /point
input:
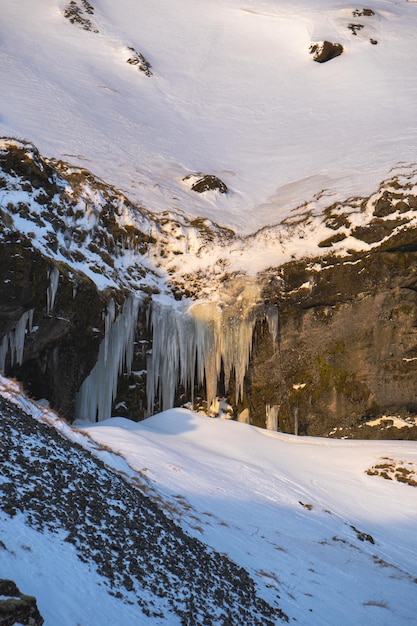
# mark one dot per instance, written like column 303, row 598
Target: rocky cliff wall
column 346, row 349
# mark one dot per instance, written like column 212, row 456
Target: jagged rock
column 75, row 13
column 206, row 182
column 139, row 61
column 15, row 607
column 355, row 28
column 363, row 13
column 323, row 51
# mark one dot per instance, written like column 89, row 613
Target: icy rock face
column 194, row 344
column 15, row 340
column 95, row 397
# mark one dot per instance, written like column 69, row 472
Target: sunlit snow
column 234, row 92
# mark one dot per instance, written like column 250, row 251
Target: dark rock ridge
column 16, row 607
column 344, row 350
column 144, row 557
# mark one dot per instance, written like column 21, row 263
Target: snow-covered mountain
column 193, row 210
column 234, row 92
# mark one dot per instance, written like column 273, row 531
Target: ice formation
column 15, row 340
column 271, row 416
column 53, row 276
column 194, row 344
column 96, row 394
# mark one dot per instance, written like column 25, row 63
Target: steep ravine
column 317, row 344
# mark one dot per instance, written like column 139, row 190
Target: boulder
column 206, row 182
column 15, row 607
column 323, row 51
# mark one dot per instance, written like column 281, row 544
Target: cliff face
column 347, row 346
column 59, row 344
column 344, row 349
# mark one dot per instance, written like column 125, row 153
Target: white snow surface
column 282, row 506
column 234, row 92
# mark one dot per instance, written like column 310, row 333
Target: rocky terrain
column 323, row 339
column 143, row 557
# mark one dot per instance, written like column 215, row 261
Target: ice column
column 271, row 416
column 53, row 276
column 15, row 340
column 192, row 344
column 96, row 394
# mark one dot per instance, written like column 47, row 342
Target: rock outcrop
column 16, row 607
column 323, row 51
column 206, row 182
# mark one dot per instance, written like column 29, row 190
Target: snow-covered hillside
column 233, row 92
column 321, row 533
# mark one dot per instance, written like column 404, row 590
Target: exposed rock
column 139, row 61
column 363, row 13
column 62, row 347
column 347, row 346
column 206, row 182
column 355, row 28
column 323, row 51
column 15, row 607
column 75, row 12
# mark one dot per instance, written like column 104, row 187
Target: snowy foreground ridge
column 233, row 91
column 320, row 533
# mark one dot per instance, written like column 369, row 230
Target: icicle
column 3, row 352
column 15, row 340
column 272, row 319
column 190, row 345
column 95, row 397
column 109, row 316
column 271, row 414
column 53, row 276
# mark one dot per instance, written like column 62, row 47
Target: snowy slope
column 289, row 509
column 234, row 92
column 322, row 537
column 91, row 524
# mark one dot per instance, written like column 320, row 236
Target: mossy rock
column 16, row 607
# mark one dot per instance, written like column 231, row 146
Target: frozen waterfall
column 96, row 394
column 15, row 340
column 194, row 344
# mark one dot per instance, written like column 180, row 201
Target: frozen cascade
column 96, row 394
column 191, row 344
column 53, row 276
column 15, row 340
